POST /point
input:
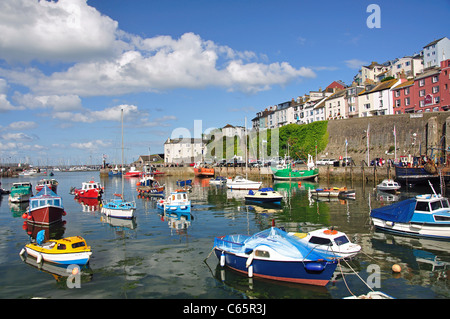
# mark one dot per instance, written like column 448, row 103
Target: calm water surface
column 155, row 257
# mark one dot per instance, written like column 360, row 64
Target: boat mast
column 121, row 119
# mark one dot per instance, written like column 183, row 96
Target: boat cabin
column 429, row 203
column 90, row 185
column 42, row 202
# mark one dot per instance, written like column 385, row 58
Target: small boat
column 183, row 183
column 45, row 208
column 240, row 182
column 51, row 183
column 66, row 251
column 133, row 172
column 372, row 295
column 329, row 242
column 177, row 202
column 20, row 192
column 149, row 186
column 425, row 215
column 28, row 172
column 218, row 180
column 273, row 254
column 201, row 171
column 115, row 172
column 264, row 195
column 341, row 192
column 286, row 172
column 89, row 189
column 388, row 185
column 118, row 207
column 3, row 191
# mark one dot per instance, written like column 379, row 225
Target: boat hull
column 19, row 198
column 247, row 185
column 261, row 199
column 92, row 193
column 288, row 271
column 202, row 171
column 46, row 215
column 414, row 175
column 436, row 231
column 288, row 174
column 79, row 258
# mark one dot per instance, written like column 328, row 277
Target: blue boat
column 415, row 175
column 176, row 202
column 274, row 254
column 422, row 216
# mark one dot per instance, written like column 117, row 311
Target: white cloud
column 66, row 30
column 91, row 145
column 130, row 112
column 22, row 125
column 16, row 137
column 355, row 63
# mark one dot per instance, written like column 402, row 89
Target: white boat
column 177, row 202
column 388, row 185
column 329, row 242
column 218, row 180
column 240, row 182
column 422, row 216
column 372, row 295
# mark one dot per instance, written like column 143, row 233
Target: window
column 61, row 247
column 422, row 206
column 397, row 103
column 407, row 101
column 435, row 79
column 397, row 93
column 262, row 253
column 341, row 240
column 406, row 91
column 435, row 89
column 435, row 205
column 421, row 82
column 320, row 241
column 422, row 93
column 422, row 103
column 79, row 244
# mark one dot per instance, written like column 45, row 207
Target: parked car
column 326, row 161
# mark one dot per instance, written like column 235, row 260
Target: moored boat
column 286, row 172
column 264, row 195
column 176, row 202
column 218, row 180
column 422, row 216
column 273, row 254
column 388, row 185
column 329, row 242
column 45, row 208
column 240, row 182
column 66, row 251
column 149, row 186
column 202, row 171
column 51, row 183
column 20, row 192
column 118, row 207
column 89, row 189
column 133, row 172
column 341, row 192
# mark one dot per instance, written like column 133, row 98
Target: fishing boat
column 45, row 208
column 202, row 171
column 20, row 192
column 51, row 183
column 240, row 182
column 341, row 192
column 119, row 207
column 66, row 251
column 418, row 174
column 115, row 172
column 425, row 215
column 149, row 186
column 89, row 189
column 133, row 172
column 388, row 185
column 264, row 195
column 274, row 254
column 329, row 242
column 286, row 172
column 176, row 202
column 218, row 180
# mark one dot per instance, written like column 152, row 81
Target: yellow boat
column 66, row 251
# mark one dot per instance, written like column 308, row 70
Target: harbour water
column 157, row 257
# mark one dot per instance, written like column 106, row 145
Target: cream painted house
column 183, row 150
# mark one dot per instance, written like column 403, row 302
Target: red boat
column 90, row 189
column 51, row 183
column 45, row 208
column 133, row 172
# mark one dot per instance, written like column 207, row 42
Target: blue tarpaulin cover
column 40, row 237
column 400, row 212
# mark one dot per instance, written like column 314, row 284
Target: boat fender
column 39, row 258
column 249, row 260
column 24, row 215
column 250, row 271
column 313, row 266
column 222, row 259
column 22, row 252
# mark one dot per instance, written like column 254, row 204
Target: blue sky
column 67, row 67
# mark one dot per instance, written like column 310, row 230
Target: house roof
column 404, row 84
column 434, row 42
column 384, row 85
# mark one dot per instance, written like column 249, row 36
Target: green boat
column 20, row 192
column 290, row 174
column 285, row 172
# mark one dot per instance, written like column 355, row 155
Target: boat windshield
column 341, row 240
column 443, row 203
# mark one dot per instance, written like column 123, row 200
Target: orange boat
column 203, row 171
